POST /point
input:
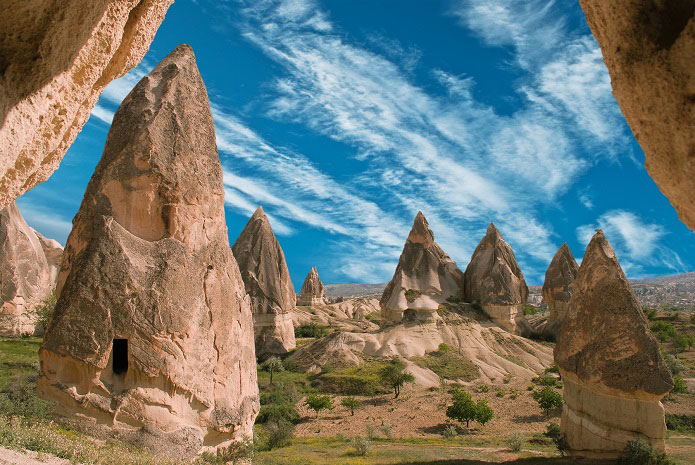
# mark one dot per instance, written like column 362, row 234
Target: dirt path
column 11, row 457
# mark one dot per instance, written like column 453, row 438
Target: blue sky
column 344, row 118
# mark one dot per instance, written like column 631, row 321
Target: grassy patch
column 362, row 380
column 18, row 357
column 680, row 423
column 449, row 364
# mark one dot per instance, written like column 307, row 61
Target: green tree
column 681, row 342
column 395, row 376
column 483, row 412
column 272, row 365
column 318, row 403
column 548, row 399
column 351, row 403
column 465, row 410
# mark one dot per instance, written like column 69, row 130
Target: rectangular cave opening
column 120, row 356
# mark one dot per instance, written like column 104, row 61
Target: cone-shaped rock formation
column 57, row 57
column 26, row 276
column 153, row 329
column 557, row 288
column 425, row 277
column 267, row 280
column 494, row 280
column 649, row 50
column 312, row 290
column 614, row 375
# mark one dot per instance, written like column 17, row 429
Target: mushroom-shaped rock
column 56, row 57
column 649, row 50
column 153, row 329
column 557, row 288
column 425, row 278
column 26, row 277
column 494, row 280
column 267, row 280
column 614, row 375
column 312, row 290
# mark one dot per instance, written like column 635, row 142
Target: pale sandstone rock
column 25, row 275
column 494, row 280
column 267, row 281
column 649, row 49
column 425, row 278
column 148, row 261
column 557, row 287
column 54, row 254
column 614, row 375
column 56, row 56
column 347, row 315
column 312, row 290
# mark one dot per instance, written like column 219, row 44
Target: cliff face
column 557, row 288
column 152, row 326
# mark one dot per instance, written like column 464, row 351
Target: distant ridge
column 354, row 290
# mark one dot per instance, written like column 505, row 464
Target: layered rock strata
column 153, row 331
column 312, row 290
column 56, row 56
column 494, row 281
column 557, row 288
column 268, row 283
column 425, row 278
column 613, row 373
column 27, row 276
column 649, row 49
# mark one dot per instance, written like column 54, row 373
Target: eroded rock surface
column 425, row 278
column 649, row 49
column 153, row 329
column 267, row 280
column 312, row 290
column 26, row 276
column 557, row 288
column 56, row 56
column 613, row 373
column 494, row 280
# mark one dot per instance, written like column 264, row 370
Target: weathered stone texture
column 312, row 290
column 425, row 278
column 56, row 56
column 557, row 287
column 613, row 372
column 148, row 261
column 649, row 49
column 268, row 283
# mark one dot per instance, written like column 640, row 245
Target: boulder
column 425, row 278
column 613, row 373
column 649, row 49
column 56, row 57
column 494, row 281
column 312, row 290
column 557, row 288
column 152, row 334
column 267, row 281
column 26, row 276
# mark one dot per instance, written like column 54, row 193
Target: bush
column 361, row 446
column 515, row 442
column 546, row 380
column 500, row 393
column 481, row 388
column 412, row 294
column 43, row 312
column 395, row 376
column 350, row 403
column 553, row 431
column 450, row 432
column 386, row 429
column 280, row 403
column 548, row 399
column 530, row 310
column 673, row 364
column 679, row 386
column 310, row 330
column 552, row 369
column 640, row 453
column 465, row 410
column 681, row 342
column 278, row 434
column 650, row 313
column 680, row 423
column 663, row 330
column 443, row 348
column 318, row 403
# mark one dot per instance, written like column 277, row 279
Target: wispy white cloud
column 636, row 242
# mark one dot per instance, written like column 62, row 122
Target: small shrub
column 412, row 294
column 443, row 348
column 361, row 446
column 673, row 364
column 530, row 310
column 530, row 387
column 548, row 399
column 387, row 430
column 640, row 453
column 680, row 423
column 450, row 432
column 545, row 380
column 350, row 403
column 482, row 388
column 515, row 442
column 507, row 378
column 679, row 386
column 310, row 330
column 552, row 369
column 681, row 342
column 278, row 434
column 650, row 313
column 514, row 393
column 663, row 330
column 500, row 393
column 372, row 432
column 317, row 403
column 553, row 431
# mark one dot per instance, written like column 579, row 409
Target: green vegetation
column 663, row 330
column 547, row 380
column 350, row 403
column 464, row 410
column 361, row 446
column 275, row 434
column 680, row 423
column 279, row 403
column 361, row 380
column 530, row 310
column 395, row 376
column 412, row 294
column 44, row 311
column 317, row 403
column 679, row 386
column 448, row 364
column 272, row 365
column 515, row 442
column 310, row 330
column 548, row 399
column 640, row 453
column 19, row 357
column 555, row 433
